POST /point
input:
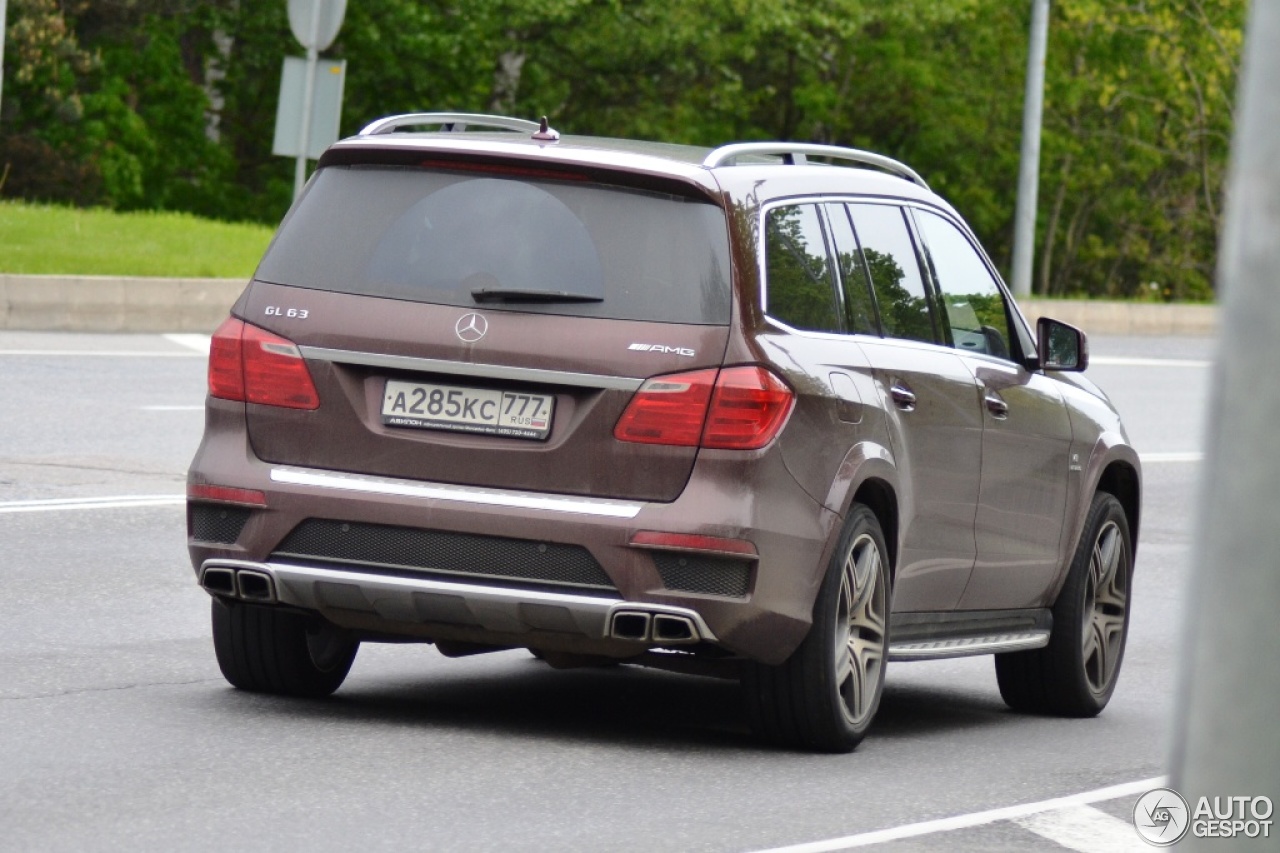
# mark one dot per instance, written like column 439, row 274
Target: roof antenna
column 546, row 133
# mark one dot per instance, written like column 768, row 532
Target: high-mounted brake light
column 737, row 408
column 251, row 364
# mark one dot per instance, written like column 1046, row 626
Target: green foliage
column 170, row 104
column 48, row 239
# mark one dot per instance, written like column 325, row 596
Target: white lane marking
column 1085, row 829
column 173, row 408
column 112, row 502
column 1120, row 361
column 946, row 824
column 88, row 353
column 1187, row 456
column 199, row 343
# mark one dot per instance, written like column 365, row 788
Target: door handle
column 996, row 405
column 903, row 397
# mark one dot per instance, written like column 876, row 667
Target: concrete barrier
column 111, row 304
column 1126, row 318
column 67, row 303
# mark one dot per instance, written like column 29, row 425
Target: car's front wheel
column 1075, row 675
column 269, row 650
column 826, row 694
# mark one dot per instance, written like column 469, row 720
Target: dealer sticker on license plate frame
column 489, row 411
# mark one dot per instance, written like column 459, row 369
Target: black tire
column 269, row 650
column 825, row 696
column 1075, row 675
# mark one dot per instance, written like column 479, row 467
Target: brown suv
column 764, row 410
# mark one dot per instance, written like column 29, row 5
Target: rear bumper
column 729, row 495
column 351, row 598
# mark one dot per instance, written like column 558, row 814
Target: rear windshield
column 404, row 233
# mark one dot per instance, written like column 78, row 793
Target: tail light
column 251, row 364
column 748, row 409
column 737, row 408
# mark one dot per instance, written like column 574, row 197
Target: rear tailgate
column 589, row 366
column 375, row 275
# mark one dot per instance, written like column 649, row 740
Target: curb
column 68, row 303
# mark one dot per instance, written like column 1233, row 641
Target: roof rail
column 795, row 153
column 448, row 121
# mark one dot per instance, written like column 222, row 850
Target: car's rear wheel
column 269, row 650
column 1075, row 675
column 826, row 694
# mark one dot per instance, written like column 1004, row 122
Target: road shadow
column 620, row 706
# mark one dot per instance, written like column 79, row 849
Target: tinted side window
column 895, row 273
column 800, row 289
column 974, row 304
column 859, row 311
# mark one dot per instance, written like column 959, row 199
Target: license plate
column 455, row 407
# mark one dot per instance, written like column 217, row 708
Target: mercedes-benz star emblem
column 471, row 328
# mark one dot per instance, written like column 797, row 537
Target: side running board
column 933, row 636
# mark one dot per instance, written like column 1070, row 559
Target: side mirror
column 1062, row 347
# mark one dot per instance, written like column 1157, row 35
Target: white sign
column 327, row 83
column 315, row 23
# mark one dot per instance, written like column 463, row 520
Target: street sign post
column 315, row 23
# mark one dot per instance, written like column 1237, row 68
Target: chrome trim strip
column 996, row 643
column 460, row 368
column 492, row 607
column 599, row 507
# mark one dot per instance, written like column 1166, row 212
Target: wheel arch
column 1122, row 481
column 880, row 497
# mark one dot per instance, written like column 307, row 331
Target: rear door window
column 800, row 287
column 439, row 237
column 895, row 271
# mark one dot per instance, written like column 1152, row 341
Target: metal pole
column 308, row 102
column 1224, row 734
column 1024, row 230
column 3, row 29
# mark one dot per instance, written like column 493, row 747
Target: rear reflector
column 251, row 364
column 226, row 494
column 692, row 542
column 737, row 408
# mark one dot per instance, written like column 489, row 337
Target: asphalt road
column 118, row 732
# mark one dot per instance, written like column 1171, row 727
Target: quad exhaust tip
column 245, row 584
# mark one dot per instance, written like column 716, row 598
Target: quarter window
column 859, row 311
column 975, row 309
column 800, row 287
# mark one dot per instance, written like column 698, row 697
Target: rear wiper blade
column 511, row 294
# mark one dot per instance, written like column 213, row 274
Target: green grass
column 43, row 239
